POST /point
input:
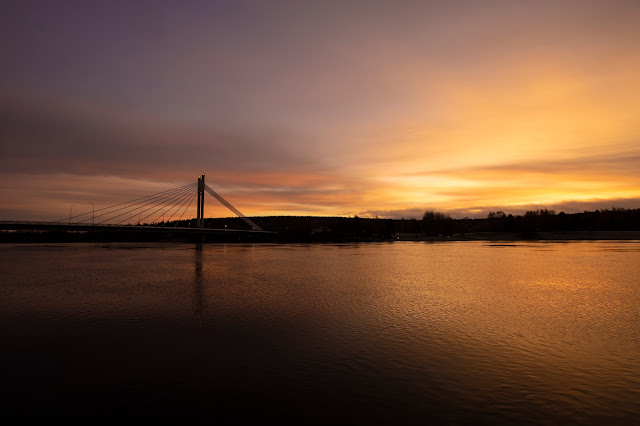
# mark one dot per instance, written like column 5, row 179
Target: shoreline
column 31, row 237
column 538, row 236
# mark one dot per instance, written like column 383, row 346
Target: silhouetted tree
column 437, row 223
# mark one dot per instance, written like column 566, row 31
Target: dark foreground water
column 397, row 333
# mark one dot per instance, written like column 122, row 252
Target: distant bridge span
column 142, row 217
column 15, row 231
column 154, row 209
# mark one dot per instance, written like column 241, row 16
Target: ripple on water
column 466, row 332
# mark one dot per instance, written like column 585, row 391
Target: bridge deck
column 14, row 231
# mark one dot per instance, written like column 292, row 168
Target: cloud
column 622, row 159
column 63, row 137
column 332, row 107
column 481, row 211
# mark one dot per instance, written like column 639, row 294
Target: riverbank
column 228, row 236
column 519, row 236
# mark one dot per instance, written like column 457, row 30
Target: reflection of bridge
column 150, row 215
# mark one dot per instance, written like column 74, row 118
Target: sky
column 328, row 108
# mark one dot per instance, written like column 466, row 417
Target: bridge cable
column 171, row 207
column 126, row 202
column 230, row 207
column 186, row 208
column 176, row 199
column 153, row 212
column 161, row 201
column 148, row 199
column 178, row 206
column 154, row 200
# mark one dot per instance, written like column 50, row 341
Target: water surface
column 401, row 333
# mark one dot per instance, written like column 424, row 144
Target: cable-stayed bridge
column 159, row 208
column 163, row 212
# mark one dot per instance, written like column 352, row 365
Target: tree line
column 433, row 223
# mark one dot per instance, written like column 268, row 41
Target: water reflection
column 198, row 298
column 456, row 332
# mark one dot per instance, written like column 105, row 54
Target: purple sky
column 321, row 107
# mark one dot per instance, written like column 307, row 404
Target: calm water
column 458, row 332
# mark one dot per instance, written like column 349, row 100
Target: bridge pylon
column 200, row 206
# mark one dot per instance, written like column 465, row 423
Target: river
column 390, row 333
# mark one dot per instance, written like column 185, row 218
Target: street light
column 70, row 208
column 93, row 212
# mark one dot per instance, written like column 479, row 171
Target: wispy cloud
column 322, row 108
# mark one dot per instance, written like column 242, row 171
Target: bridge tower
column 200, row 206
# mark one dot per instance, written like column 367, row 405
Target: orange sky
column 327, row 108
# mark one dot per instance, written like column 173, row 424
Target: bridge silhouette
column 169, row 203
column 161, row 212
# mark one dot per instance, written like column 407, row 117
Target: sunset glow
column 322, row 108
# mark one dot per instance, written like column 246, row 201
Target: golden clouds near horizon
column 547, row 137
column 397, row 109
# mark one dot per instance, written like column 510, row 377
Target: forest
column 434, row 225
column 542, row 224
